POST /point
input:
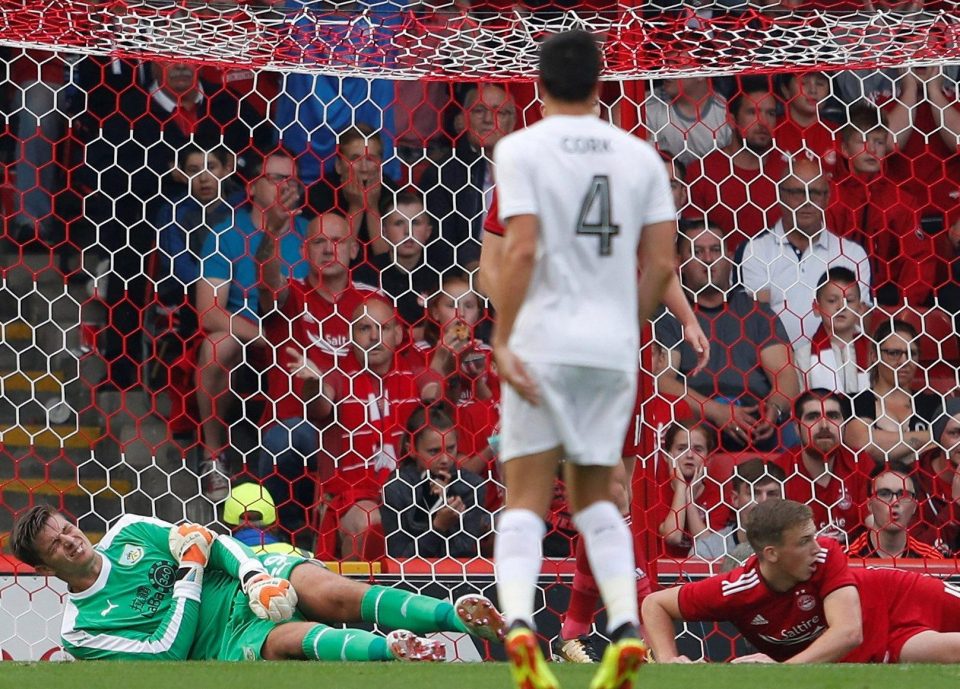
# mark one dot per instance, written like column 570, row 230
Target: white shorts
column 582, row 409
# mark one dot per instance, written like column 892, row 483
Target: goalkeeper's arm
column 271, row 598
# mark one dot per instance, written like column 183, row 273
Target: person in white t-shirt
column 578, row 198
column 782, row 266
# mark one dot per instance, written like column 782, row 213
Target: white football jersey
column 593, row 188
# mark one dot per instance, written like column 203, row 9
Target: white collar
column 165, row 101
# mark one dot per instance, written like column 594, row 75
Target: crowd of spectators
column 313, row 241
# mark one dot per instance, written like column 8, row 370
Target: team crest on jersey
column 806, row 602
column 249, row 653
column 131, row 555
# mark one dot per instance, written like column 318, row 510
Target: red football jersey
column 780, row 624
column 927, row 168
column 364, row 433
column 898, row 605
column 657, row 412
column 310, row 323
column 818, row 138
column 492, row 223
column 838, row 502
column 742, row 203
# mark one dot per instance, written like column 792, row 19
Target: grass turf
column 196, row 675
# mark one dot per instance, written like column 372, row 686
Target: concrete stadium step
column 35, row 381
column 54, row 486
column 15, row 330
column 66, row 436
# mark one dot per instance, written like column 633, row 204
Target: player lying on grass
column 151, row 590
column 797, row 601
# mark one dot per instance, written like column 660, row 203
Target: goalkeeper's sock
column 607, row 542
column 328, row 643
column 398, row 609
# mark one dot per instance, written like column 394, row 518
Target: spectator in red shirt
column 892, row 507
column 926, row 160
column 309, row 316
column 689, row 500
column 876, row 212
column 800, row 127
column 371, row 404
column 939, row 481
column 736, row 185
column 822, row 473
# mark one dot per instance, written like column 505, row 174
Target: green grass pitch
column 305, row 675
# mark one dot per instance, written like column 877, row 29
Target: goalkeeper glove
column 271, row 598
column 190, row 544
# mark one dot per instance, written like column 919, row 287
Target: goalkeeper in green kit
column 152, row 590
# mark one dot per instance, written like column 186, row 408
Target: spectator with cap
column 251, row 514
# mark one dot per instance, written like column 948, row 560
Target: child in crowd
column 838, row 356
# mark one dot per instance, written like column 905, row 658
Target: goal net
column 331, row 387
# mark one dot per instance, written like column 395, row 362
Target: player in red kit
column 797, row 601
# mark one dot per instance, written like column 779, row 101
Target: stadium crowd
column 300, row 252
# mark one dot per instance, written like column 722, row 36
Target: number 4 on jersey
column 595, row 214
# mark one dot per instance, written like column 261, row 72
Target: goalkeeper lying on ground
column 151, row 590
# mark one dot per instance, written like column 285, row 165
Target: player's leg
column 571, row 646
column 604, row 402
column 325, row 596
column 518, row 550
column 623, row 489
column 609, row 547
column 312, row 641
column 931, row 647
column 607, row 541
column 934, row 607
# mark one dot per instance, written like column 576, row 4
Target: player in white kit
column 578, row 199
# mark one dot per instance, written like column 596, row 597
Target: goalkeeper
column 151, row 590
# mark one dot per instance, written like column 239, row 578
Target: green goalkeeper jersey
column 137, row 610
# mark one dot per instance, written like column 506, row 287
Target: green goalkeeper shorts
column 246, row 633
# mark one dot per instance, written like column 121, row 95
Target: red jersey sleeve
column 491, row 223
column 705, row 600
column 834, row 570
